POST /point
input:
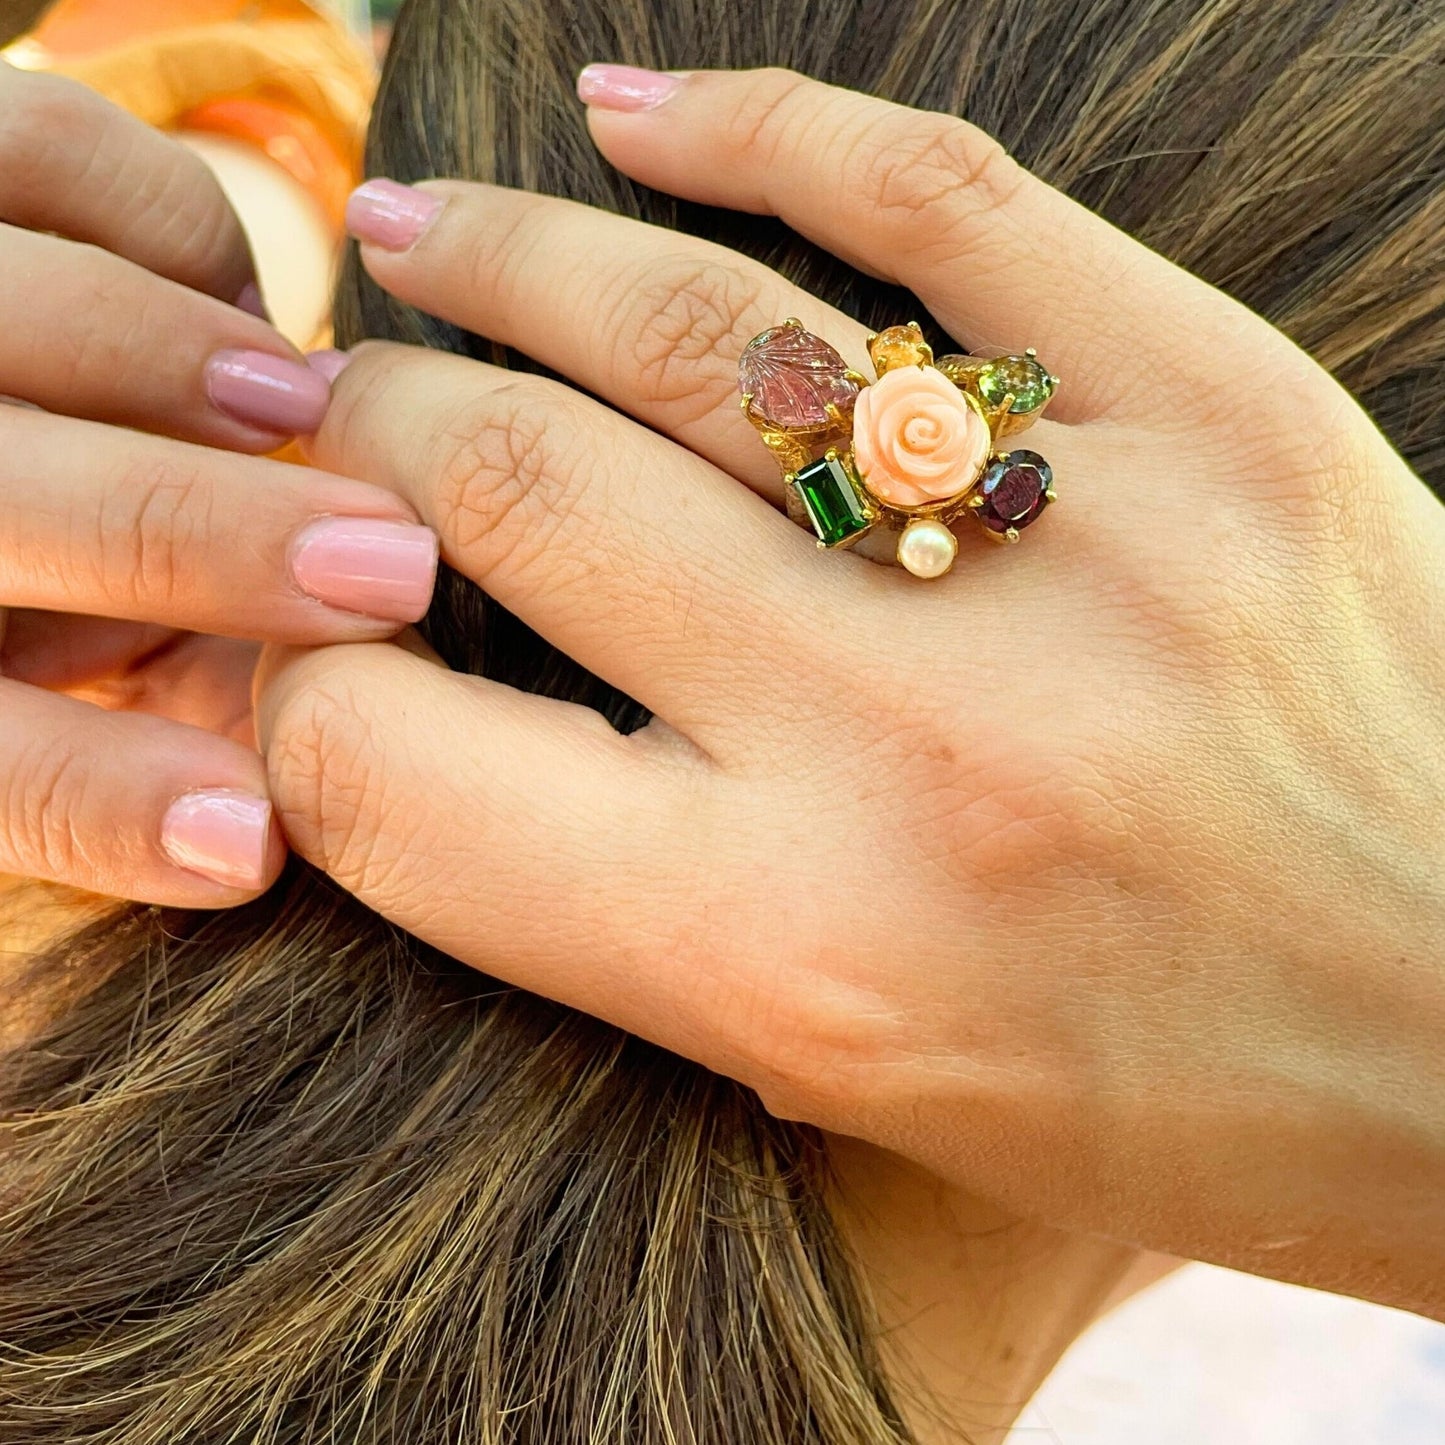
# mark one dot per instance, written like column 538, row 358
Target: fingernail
column 363, row 564
column 220, row 833
column 624, row 87
column 390, row 215
column 250, row 300
column 267, row 392
column 329, row 363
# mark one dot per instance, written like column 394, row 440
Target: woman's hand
column 120, row 261
column 1102, row 876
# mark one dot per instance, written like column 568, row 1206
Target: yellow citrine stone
column 897, row 346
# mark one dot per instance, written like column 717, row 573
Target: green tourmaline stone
column 1020, row 376
column 831, row 497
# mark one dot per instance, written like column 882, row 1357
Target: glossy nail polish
column 220, row 833
column 624, row 87
column 387, row 214
column 365, row 564
column 267, row 392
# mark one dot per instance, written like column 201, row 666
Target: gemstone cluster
column 914, row 450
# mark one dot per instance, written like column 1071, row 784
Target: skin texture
column 140, row 566
column 974, row 1304
column 1098, row 877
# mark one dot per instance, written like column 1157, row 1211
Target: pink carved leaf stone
column 792, row 375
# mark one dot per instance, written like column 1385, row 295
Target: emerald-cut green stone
column 831, row 496
column 1020, row 377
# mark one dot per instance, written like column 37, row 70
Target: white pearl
column 927, row 548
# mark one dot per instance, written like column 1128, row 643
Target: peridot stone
column 833, row 501
column 1018, row 376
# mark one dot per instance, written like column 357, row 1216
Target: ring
column 913, row 451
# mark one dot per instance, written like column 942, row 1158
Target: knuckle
column 106, row 325
column 936, row 170
column 327, row 787
column 1005, row 812
column 807, row 1062
column 809, row 1035
column 1314, row 486
column 691, row 314
column 146, row 524
column 1033, row 830
column 175, row 200
column 495, row 263
column 46, row 790
column 504, row 476
column 760, row 118
column 1311, row 470
column 58, row 135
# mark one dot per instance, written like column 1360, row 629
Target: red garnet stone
column 1014, row 489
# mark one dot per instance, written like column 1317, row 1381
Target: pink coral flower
column 916, row 439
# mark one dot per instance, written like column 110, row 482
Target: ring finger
column 647, row 564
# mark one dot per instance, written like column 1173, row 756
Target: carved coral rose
column 916, row 439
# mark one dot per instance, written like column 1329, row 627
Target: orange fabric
column 81, row 27
column 274, row 73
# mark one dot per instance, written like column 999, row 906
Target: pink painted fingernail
column 387, row 214
column 250, row 301
column 329, row 363
column 624, row 87
column 367, row 565
column 220, row 833
column 267, row 392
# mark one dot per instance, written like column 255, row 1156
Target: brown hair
column 283, row 1173
column 17, row 16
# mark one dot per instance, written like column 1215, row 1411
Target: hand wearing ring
column 1033, row 875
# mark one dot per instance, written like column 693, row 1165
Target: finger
column 98, row 520
column 131, row 806
column 74, row 164
column 85, row 333
column 921, row 199
column 515, row 832
column 644, row 563
column 653, row 321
